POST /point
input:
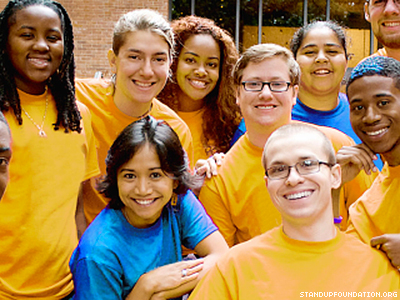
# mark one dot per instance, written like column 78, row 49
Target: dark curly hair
column 61, row 84
column 221, row 116
column 157, row 134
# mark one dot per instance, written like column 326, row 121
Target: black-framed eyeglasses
column 303, row 167
column 382, row 3
column 258, row 86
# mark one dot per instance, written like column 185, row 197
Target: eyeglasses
column 304, row 167
column 258, row 86
column 382, row 3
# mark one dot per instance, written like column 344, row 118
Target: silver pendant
column 42, row 133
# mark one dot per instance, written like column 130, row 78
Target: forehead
column 145, row 41
column 202, row 44
column 369, row 87
column 34, row 13
column 290, row 148
column 320, row 36
column 268, row 69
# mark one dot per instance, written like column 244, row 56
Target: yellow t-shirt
column 195, row 122
column 274, row 266
column 108, row 121
column 238, row 201
column 37, row 223
column 377, row 211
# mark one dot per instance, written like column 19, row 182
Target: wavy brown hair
column 221, row 116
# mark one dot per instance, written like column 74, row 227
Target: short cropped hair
column 258, row 53
column 294, row 129
column 376, row 65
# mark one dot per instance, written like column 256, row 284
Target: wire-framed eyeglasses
column 258, row 86
column 303, row 167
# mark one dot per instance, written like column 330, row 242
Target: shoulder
column 338, row 138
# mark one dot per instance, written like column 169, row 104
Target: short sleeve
column 195, row 224
column 96, row 281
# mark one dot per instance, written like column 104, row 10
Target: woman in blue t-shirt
column 132, row 250
column 320, row 48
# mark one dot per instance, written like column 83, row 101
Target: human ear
column 112, row 60
column 237, row 96
column 295, row 93
column 336, row 173
column 366, row 12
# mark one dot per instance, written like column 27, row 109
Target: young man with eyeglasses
column 266, row 79
column 306, row 256
column 384, row 16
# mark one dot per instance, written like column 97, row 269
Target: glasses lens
column 307, row 166
column 253, row 85
column 278, row 172
column 278, row 86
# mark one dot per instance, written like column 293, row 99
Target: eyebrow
column 141, row 52
column 132, row 170
column 4, row 149
column 298, row 160
column 195, row 54
column 327, row 44
column 381, row 95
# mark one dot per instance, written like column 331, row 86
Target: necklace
column 40, row 128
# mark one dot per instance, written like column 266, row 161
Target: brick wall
column 93, row 22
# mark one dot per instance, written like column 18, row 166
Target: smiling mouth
column 391, row 24
column 144, row 201
column 298, row 196
column 265, row 107
column 322, row 72
column 39, row 61
column 143, row 84
column 198, row 83
column 377, row 132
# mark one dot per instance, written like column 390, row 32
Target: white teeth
column 39, row 61
column 298, row 195
column 265, row 106
column 143, row 84
column 199, row 83
column 322, row 72
column 389, row 24
column 144, row 202
column 376, row 132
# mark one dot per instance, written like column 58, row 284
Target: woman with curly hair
column 201, row 90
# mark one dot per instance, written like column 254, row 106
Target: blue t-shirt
column 338, row 118
column 113, row 254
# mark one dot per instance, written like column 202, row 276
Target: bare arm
column 80, row 219
column 211, row 248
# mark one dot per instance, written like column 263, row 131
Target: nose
column 146, row 69
column 143, row 187
column 294, row 177
column 41, row 44
column 200, row 71
column 371, row 116
column 391, row 7
column 321, row 56
column 265, row 93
